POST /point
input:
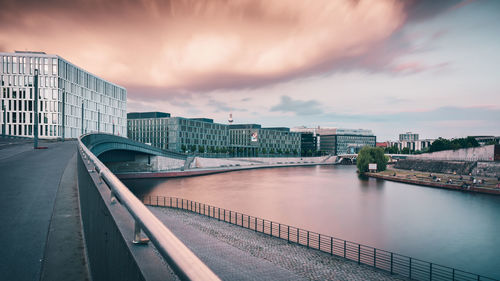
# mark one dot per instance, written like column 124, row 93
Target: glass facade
column 252, row 140
column 177, row 133
column 102, row 105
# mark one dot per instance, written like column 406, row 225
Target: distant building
column 382, row 144
column 483, row 140
column 197, row 135
column 417, row 145
column 308, row 144
column 253, row 140
column 408, row 136
column 177, row 133
column 340, row 141
column 67, row 93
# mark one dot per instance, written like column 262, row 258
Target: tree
column 193, row 148
column 183, row 148
column 201, row 149
column 369, row 155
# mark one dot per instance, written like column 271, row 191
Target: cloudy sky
column 431, row 67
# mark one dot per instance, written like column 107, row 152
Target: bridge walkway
column 236, row 253
column 40, row 220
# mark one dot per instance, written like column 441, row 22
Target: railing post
column 279, row 230
column 271, row 229
column 345, row 244
column 164, row 199
column 170, row 202
column 248, row 222
column 430, row 271
column 156, row 200
column 375, row 257
column 298, row 233
column 137, row 235
column 230, row 221
column 288, row 233
column 182, row 204
column 218, row 217
column 331, row 246
column 359, row 254
column 113, row 197
column 409, row 273
column 255, row 225
column 308, row 239
column 263, row 229
column 177, row 203
column 391, row 261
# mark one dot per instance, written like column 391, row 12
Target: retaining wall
column 436, row 166
column 482, row 153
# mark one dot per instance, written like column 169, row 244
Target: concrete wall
column 482, row 153
column 200, row 162
column 108, row 231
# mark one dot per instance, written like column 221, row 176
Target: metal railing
column 412, row 268
column 184, row 262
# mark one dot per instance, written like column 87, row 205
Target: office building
column 408, row 136
column 200, row 135
column 149, row 127
column 71, row 100
column 253, row 140
column 340, row 141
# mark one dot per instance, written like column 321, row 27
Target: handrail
column 181, row 259
column 393, row 263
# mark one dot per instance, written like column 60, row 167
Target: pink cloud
column 202, row 45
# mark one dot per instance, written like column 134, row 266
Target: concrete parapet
column 108, row 233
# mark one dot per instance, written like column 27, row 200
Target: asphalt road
column 29, row 183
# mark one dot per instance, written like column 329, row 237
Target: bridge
column 69, row 217
column 112, row 148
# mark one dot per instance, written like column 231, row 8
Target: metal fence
column 393, row 263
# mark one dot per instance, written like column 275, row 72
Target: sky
column 430, row 67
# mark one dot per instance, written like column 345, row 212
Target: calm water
column 451, row 228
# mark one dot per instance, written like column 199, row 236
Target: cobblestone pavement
column 236, row 253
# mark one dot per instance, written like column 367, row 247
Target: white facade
column 104, row 104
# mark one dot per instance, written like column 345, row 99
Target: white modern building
column 66, row 92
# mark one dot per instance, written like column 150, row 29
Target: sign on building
column 254, row 137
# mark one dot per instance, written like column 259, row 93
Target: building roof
column 244, row 126
column 283, row 129
column 143, row 115
column 208, row 120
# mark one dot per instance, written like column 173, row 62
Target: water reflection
column 447, row 227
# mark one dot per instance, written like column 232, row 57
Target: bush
column 369, row 155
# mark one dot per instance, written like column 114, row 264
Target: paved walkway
column 236, row 253
column 30, row 182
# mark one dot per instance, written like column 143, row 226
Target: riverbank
column 465, row 183
column 178, row 173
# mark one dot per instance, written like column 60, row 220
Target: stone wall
column 436, row 166
column 200, row 162
column 487, row 169
column 482, row 153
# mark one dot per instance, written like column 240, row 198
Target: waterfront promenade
column 41, row 234
column 236, row 253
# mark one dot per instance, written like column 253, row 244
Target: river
column 452, row 228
